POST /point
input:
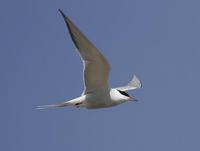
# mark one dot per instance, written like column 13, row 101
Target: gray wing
column 96, row 67
column 133, row 84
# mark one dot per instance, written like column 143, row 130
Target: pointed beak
column 133, row 99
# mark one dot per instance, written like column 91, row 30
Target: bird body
column 97, row 92
column 94, row 100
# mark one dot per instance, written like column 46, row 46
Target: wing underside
column 96, row 67
column 133, row 84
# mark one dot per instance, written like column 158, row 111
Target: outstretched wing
column 133, row 84
column 96, row 67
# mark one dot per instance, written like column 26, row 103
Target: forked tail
column 52, row 106
column 78, row 102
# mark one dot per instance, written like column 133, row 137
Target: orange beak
column 131, row 98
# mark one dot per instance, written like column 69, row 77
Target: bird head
column 122, row 95
column 125, row 96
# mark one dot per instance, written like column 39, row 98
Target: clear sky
column 158, row 40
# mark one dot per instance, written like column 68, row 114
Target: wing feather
column 96, row 68
column 133, row 84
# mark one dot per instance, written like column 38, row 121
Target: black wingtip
column 68, row 23
column 61, row 12
column 64, row 16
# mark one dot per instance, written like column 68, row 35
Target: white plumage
column 97, row 93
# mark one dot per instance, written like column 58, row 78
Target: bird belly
column 97, row 100
column 97, row 103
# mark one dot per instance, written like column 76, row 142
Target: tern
column 97, row 92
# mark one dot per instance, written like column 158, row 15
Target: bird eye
column 123, row 93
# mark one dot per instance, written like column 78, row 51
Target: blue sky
column 156, row 39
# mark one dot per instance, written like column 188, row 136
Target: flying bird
column 97, row 92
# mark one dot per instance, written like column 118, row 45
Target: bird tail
column 78, row 102
column 52, row 106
